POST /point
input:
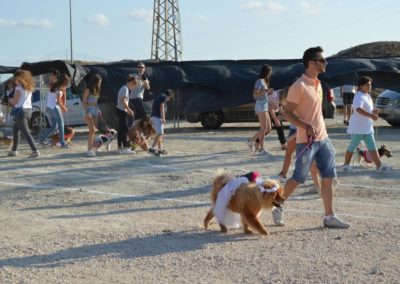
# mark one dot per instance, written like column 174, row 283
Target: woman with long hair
column 55, row 106
column 260, row 94
column 90, row 97
column 22, row 102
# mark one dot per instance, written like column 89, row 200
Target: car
column 388, row 104
column 245, row 113
column 74, row 117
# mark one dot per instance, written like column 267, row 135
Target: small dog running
column 364, row 158
column 69, row 134
column 104, row 139
column 237, row 199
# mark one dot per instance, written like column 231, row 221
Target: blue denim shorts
column 324, row 155
column 93, row 110
column 261, row 106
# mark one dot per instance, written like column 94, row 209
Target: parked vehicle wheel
column 212, row 119
column 37, row 121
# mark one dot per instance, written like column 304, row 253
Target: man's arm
column 293, row 119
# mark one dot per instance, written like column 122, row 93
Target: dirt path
column 66, row 218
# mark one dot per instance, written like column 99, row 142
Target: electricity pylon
column 166, row 41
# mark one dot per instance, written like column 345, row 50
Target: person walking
column 89, row 101
column 260, row 94
column 136, row 94
column 275, row 110
column 158, row 119
column 55, row 106
column 361, row 125
column 303, row 109
column 22, row 111
column 347, row 92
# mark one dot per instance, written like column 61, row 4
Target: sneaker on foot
column 163, row 152
column 126, row 151
column 33, row 155
column 277, row 216
column 154, row 152
column 347, row 168
column 65, row 146
column 334, row 222
column 90, row 153
column 12, row 153
column 263, row 152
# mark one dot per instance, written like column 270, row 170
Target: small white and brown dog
column 104, row 139
column 364, row 157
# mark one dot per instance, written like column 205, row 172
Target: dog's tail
column 223, row 176
column 220, row 179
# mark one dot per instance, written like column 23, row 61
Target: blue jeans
column 324, row 154
column 21, row 125
column 56, row 120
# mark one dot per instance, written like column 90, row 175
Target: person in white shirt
column 347, row 93
column 55, row 106
column 22, row 102
column 361, row 124
column 136, row 94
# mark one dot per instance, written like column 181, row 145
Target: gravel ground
column 66, row 218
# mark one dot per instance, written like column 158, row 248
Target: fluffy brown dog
column 248, row 201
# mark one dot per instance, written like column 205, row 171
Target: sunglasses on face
column 321, row 60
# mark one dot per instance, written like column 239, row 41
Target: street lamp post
column 70, row 29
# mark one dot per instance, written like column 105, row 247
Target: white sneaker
column 263, row 152
column 127, row 151
column 90, row 153
column 335, row 223
column 12, row 153
column 347, row 168
column 277, row 216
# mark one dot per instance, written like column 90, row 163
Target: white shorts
column 158, row 125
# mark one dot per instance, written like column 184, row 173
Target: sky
column 105, row 30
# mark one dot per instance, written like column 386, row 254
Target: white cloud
column 100, row 20
column 200, row 18
column 311, row 9
column 141, row 15
column 269, row 7
column 27, row 23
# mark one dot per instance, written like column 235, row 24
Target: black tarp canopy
column 215, row 84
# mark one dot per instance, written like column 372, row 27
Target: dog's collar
column 260, row 181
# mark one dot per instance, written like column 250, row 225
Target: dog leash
column 308, row 146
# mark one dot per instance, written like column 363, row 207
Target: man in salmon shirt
column 303, row 109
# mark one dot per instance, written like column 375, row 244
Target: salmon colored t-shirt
column 306, row 93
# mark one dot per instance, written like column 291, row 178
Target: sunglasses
column 141, row 67
column 322, row 60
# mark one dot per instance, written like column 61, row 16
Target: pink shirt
column 306, row 94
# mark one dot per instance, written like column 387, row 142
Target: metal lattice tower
column 166, row 41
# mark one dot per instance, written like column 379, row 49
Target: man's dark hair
column 364, row 80
column 311, row 54
column 169, row 93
